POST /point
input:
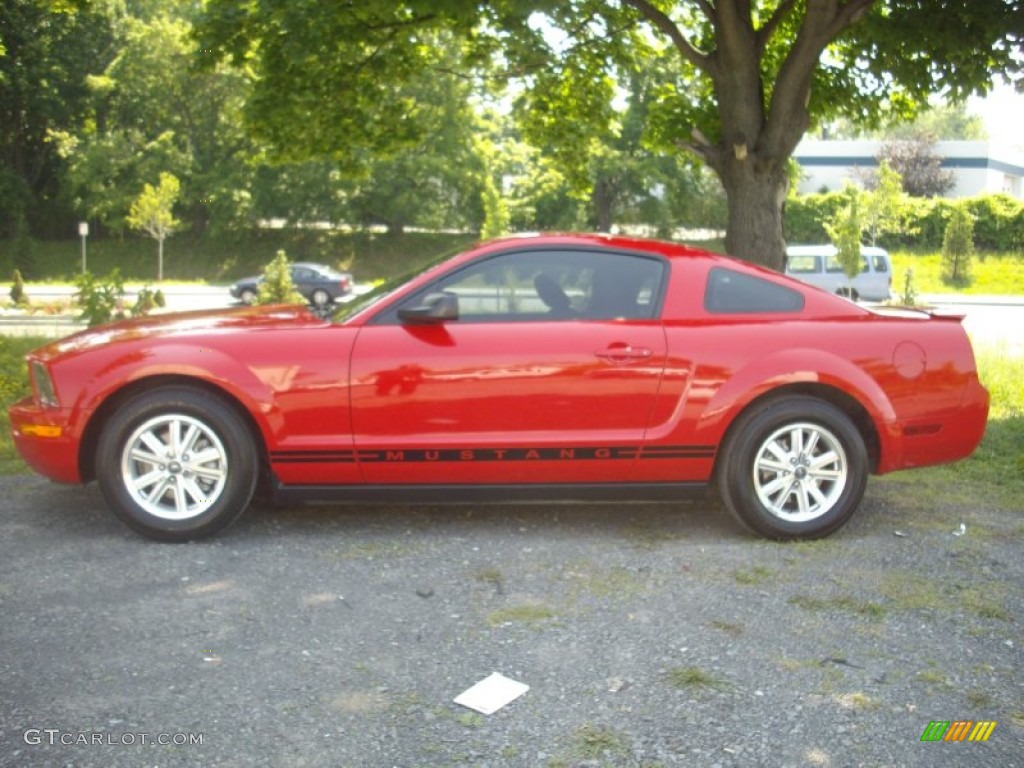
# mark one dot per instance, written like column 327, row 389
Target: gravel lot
column 649, row 636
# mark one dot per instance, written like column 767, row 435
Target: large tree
column 746, row 80
column 151, row 111
column 47, row 50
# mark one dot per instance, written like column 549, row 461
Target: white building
column 978, row 167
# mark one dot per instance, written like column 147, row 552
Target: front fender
column 182, row 361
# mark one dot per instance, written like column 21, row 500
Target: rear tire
column 320, row 298
column 177, row 464
column 793, row 468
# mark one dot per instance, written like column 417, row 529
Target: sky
column 1003, row 113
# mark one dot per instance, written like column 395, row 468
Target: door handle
column 624, row 353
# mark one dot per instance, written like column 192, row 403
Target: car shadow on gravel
column 82, row 511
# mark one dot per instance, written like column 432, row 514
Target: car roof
column 827, row 249
column 603, row 240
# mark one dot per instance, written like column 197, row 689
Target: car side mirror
column 435, row 308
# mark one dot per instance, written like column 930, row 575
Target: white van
column 819, row 265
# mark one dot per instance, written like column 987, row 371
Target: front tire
column 794, row 468
column 177, row 464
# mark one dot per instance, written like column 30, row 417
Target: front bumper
column 45, row 441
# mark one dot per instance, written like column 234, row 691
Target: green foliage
column 846, row 231
column 47, row 52
column 496, row 215
column 23, row 252
column 736, row 88
column 805, row 216
column 153, row 213
column 946, row 121
column 886, row 208
column 908, row 295
column 14, row 385
column 101, row 300
column 152, row 111
column 999, row 221
column 18, row 289
column 146, row 301
column 958, row 245
column 277, row 286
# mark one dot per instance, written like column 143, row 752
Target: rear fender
column 787, row 368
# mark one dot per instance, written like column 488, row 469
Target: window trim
column 389, row 315
column 753, row 310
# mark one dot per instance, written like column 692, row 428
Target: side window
column 881, row 265
column 731, row 292
column 803, row 264
column 301, row 273
column 832, row 264
column 525, row 286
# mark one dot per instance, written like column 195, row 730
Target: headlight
column 44, row 385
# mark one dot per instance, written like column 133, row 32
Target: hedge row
column 998, row 221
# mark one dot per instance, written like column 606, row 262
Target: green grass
column 754, row 576
column 906, row 591
column 846, row 603
column 695, row 678
column 999, row 274
column 995, row 471
column 531, row 614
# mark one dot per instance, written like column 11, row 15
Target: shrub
column 999, row 221
column 908, row 296
column 147, row 301
column 100, row 300
column 958, row 245
column 18, row 289
column 103, row 300
column 805, row 215
column 277, row 286
column 845, row 231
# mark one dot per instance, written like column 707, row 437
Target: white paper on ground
column 491, row 694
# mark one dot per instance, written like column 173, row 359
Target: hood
column 203, row 323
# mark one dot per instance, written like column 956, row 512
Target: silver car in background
column 819, row 265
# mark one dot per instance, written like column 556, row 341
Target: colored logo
column 958, row 730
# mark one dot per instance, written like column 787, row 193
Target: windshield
column 383, row 289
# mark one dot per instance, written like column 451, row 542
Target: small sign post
column 83, row 232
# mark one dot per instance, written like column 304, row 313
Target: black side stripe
column 312, row 457
column 462, row 455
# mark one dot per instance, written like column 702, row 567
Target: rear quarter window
column 730, row 292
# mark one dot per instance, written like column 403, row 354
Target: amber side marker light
column 41, row 430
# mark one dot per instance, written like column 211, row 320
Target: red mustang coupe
column 531, row 368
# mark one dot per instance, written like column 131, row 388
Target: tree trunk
column 756, row 192
column 602, row 197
